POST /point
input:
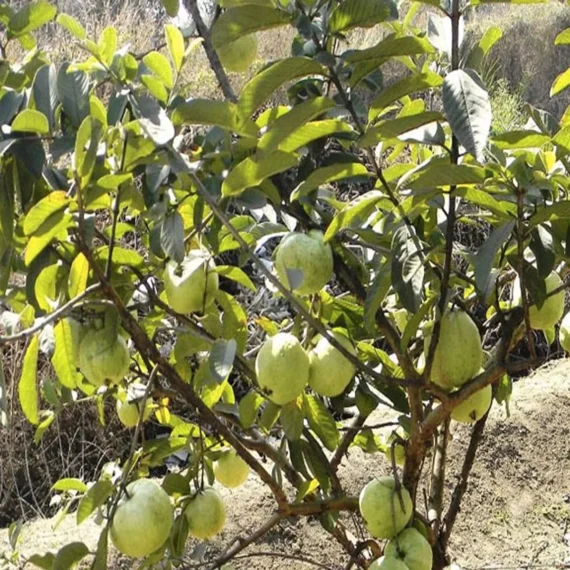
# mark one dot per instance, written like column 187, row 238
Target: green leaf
column 480, row 51
column 391, row 128
column 563, row 38
column 354, row 213
column 47, row 419
column 561, row 83
column 46, row 561
column 172, row 236
column 28, row 386
column 513, row 140
column 221, row 358
column 288, row 123
column 485, row 257
column 407, row 268
column 160, row 66
column 175, row 42
column 415, row 322
column 86, row 145
column 468, row 109
column 391, row 47
column 542, row 245
column 107, row 45
column 327, row 175
column 437, row 174
column 64, row 356
column 321, row 421
column 235, row 274
column 40, row 212
column 73, row 92
column 317, row 462
column 31, row 121
column 78, row 276
column 70, row 484
column 45, row 92
column 100, row 560
column 244, row 20
column 69, row 555
column 403, row 88
column 361, row 14
column 315, row 130
column 375, row 296
column 45, row 287
column 265, row 83
column 171, row 7
column 31, row 17
column 292, row 419
column 249, row 407
column 72, row 26
column 217, row 113
column 502, row 209
column 97, row 495
column 254, row 170
column 558, row 211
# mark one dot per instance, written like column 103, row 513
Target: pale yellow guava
column 231, row 470
column 458, row 355
column 551, row 311
column 103, row 357
column 475, row 407
column 385, row 511
column 128, row 411
column 191, row 287
column 412, row 549
column 564, row 333
column 206, row 514
column 143, row 519
column 238, row 55
column 309, row 260
column 330, row 371
column 282, row 368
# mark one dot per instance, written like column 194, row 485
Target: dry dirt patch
column 516, row 511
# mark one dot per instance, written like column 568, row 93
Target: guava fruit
column 475, row 407
column 458, row 355
column 143, row 519
column 238, row 55
column 393, row 441
column 385, row 511
column 231, row 470
column 330, row 371
column 206, row 514
column 307, row 255
column 387, row 563
column 564, row 333
column 103, row 357
column 191, row 287
column 412, row 549
column 128, row 411
column 282, row 368
column 551, row 311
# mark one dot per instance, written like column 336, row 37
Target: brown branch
column 438, row 477
column 461, row 487
column 356, row 426
column 211, row 54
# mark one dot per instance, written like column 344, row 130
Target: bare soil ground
column 515, row 514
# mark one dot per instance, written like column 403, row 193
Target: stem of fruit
column 211, row 54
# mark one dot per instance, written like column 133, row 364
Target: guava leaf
column 222, row 358
column 28, row 386
column 70, row 555
column 292, row 418
column 94, row 498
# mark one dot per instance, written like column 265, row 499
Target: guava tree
column 416, row 261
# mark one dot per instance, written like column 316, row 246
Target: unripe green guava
column 206, row 514
column 103, row 357
column 128, row 412
column 282, row 368
column 458, row 355
column 412, row 549
column 330, row 371
column 231, row 470
column 143, row 519
column 475, row 407
column 385, row 511
column 307, row 254
column 239, row 54
column 191, row 287
column 387, row 563
column 564, row 333
column 551, row 311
